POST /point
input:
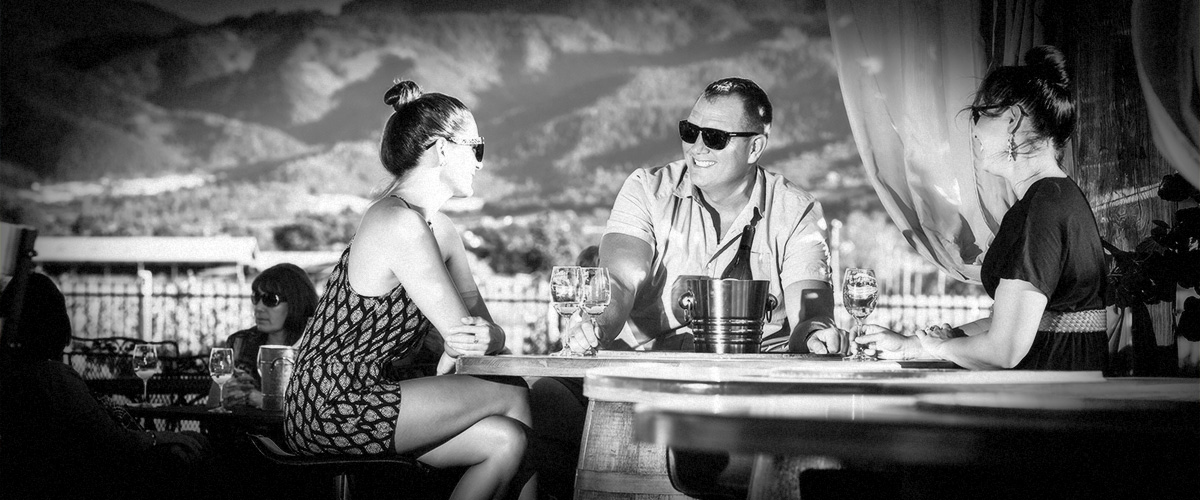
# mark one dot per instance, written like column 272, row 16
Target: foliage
column 1168, row 258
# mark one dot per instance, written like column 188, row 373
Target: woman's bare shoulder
column 391, row 217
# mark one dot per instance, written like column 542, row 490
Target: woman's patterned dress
column 338, row 400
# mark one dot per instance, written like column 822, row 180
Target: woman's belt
column 1095, row 320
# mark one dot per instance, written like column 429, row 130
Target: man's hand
column 580, row 339
column 828, row 340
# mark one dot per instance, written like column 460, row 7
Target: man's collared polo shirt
column 659, row 206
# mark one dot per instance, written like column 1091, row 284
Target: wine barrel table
column 612, row 463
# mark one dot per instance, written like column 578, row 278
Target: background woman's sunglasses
column 268, row 299
column 713, row 139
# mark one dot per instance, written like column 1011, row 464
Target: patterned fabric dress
column 338, row 400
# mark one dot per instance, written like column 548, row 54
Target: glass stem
column 858, row 331
column 220, row 395
column 145, row 390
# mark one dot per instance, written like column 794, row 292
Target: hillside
column 277, row 114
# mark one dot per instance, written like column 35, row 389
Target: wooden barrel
column 612, row 464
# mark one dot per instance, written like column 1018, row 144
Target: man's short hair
column 758, row 107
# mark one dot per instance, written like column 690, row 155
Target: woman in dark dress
column 405, row 276
column 1045, row 269
column 284, row 298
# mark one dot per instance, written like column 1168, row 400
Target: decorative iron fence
column 198, row 313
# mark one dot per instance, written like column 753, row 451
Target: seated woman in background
column 284, row 299
column 62, row 442
column 405, row 276
column 1045, row 268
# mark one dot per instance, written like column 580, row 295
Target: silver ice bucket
column 726, row 315
column 275, row 368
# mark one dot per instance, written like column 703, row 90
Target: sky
column 211, row 11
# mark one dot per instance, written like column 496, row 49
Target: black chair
column 414, row 476
column 16, row 262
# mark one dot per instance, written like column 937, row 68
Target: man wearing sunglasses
column 685, row 219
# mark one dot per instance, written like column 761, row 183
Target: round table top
column 577, row 366
column 962, row 428
column 647, row 382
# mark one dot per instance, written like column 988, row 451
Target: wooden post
column 145, row 294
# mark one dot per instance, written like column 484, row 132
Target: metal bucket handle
column 772, row 303
column 686, row 301
column 274, row 364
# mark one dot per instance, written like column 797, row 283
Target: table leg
column 612, row 464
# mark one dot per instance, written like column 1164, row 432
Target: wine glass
column 594, row 294
column 859, row 293
column 220, row 367
column 564, row 295
column 146, row 365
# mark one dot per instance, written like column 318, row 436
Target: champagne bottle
column 739, row 267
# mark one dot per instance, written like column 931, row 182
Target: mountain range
column 279, row 109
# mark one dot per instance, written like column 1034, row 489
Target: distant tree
column 296, row 237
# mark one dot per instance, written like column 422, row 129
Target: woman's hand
column 933, row 337
column 475, row 336
column 445, row 365
column 891, row 345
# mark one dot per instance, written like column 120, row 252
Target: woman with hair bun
column 1045, row 268
column 404, row 276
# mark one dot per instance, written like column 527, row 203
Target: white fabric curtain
column 1165, row 46
column 907, row 68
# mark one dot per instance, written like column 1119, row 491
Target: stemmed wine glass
column 564, row 295
column 594, row 294
column 859, row 293
column 220, row 367
column 146, row 365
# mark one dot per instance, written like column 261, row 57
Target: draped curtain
column 907, row 68
column 1165, row 35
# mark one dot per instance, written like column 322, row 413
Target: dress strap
column 409, row 205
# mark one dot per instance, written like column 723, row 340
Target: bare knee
column 505, row 438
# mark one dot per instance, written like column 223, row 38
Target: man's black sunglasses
column 713, row 139
column 268, row 299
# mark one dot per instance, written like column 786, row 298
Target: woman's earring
column 1012, row 147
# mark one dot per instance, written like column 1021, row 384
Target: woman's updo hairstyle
column 418, row 119
column 1041, row 87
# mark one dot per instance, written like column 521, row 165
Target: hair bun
column 1048, row 63
column 403, row 92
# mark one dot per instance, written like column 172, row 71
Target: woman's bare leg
column 457, row 420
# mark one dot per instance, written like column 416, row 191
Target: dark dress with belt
column 343, row 398
column 1049, row 238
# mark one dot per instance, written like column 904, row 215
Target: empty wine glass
column 859, row 293
column 220, row 368
column 594, row 294
column 146, row 365
column 564, row 295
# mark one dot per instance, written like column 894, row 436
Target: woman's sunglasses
column 268, row 299
column 713, row 139
column 990, row 111
column 476, row 144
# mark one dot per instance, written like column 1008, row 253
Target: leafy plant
column 1168, row 258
